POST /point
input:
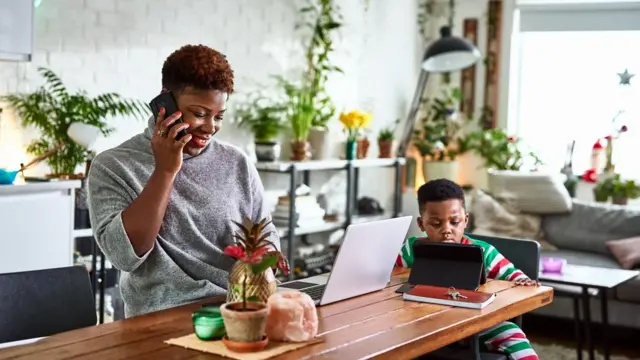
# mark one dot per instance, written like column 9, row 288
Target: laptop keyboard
column 314, row 291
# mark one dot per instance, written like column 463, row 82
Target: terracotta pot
column 245, row 326
column 620, row 200
column 385, row 148
column 245, row 347
column 261, row 285
column 363, row 148
column 300, row 150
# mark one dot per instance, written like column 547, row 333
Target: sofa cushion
column 626, row 252
column 590, row 225
column 534, row 192
column 629, row 291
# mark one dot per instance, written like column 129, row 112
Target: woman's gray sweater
column 187, row 262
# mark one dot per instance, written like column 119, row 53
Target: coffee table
column 593, row 281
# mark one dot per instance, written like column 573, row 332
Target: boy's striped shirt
column 497, row 267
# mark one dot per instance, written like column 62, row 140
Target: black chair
column 45, row 302
column 524, row 255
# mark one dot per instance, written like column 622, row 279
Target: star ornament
column 625, row 77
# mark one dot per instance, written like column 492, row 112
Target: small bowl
column 208, row 324
column 7, row 177
column 553, row 265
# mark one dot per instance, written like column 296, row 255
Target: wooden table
column 379, row 325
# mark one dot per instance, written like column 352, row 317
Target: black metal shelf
column 352, row 167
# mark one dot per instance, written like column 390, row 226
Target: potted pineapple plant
column 251, row 282
column 265, row 119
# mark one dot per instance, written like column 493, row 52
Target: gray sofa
column 580, row 237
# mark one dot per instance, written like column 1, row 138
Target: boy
column 443, row 218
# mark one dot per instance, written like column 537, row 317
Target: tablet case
column 446, row 265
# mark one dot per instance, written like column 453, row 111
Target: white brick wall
column 119, row 45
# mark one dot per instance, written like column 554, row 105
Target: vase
column 440, row 170
column 300, row 150
column 385, row 149
column 620, row 200
column 260, row 285
column 244, row 325
column 363, row 148
column 318, row 141
column 351, row 150
column 267, row 151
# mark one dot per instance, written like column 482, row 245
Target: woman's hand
column 527, row 282
column 167, row 151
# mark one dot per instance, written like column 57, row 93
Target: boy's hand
column 527, row 282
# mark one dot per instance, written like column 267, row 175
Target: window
column 565, row 85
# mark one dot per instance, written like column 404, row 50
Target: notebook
column 440, row 295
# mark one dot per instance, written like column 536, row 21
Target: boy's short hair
column 439, row 190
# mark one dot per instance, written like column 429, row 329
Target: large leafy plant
column 499, row 150
column 52, row 108
column 253, row 247
column 438, row 132
column 299, row 107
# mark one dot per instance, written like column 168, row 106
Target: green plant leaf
column 268, row 261
column 254, row 298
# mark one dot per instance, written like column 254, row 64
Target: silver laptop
column 364, row 262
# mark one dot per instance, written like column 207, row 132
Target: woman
column 161, row 208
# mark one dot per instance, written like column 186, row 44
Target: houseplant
column 52, row 108
column 385, row 141
column 300, row 109
column 265, row 119
column 354, row 123
column 623, row 190
column 437, row 135
column 251, row 282
column 323, row 19
column 499, row 150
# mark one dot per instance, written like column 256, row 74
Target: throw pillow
column 499, row 216
column 535, row 193
column 626, row 252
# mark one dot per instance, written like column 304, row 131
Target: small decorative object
column 252, row 277
column 363, row 148
column 354, row 122
column 265, row 118
column 208, row 323
column 553, row 265
column 616, row 133
column 292, row 317
column 385, row 142
column 7, row 177
column 596, row 155
column 52, row 109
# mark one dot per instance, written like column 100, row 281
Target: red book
column 442, row 296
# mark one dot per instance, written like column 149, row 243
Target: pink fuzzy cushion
column 626, row 252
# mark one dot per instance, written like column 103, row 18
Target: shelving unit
column 303, row 169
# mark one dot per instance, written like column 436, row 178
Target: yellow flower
column 355, row 119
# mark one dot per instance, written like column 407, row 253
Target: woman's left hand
column 527, row 282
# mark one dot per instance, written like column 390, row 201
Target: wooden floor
column 549, row 330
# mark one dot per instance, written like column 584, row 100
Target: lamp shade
column 449, row 53
column 83, row 134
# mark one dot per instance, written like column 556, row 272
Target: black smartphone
column 168, row 102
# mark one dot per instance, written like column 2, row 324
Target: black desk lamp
column 449, row 53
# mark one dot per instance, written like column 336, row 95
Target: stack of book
column 307, row 212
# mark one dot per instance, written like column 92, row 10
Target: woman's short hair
column 197, row 66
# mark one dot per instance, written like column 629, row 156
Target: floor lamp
column 449, row 53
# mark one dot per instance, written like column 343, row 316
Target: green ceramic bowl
column 208, row 323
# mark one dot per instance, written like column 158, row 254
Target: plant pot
column 267, row 151
column 620, row 200
column 260, row 285
column 245, row 347
column 319, row 143
column 599, row 197
column 385, row 149
column 351, row 150
column 245, row 326
column 363, row 148
column 440, row 170
column 300, row 150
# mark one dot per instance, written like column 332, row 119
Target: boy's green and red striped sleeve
column 496, row 265
column 405, row 258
